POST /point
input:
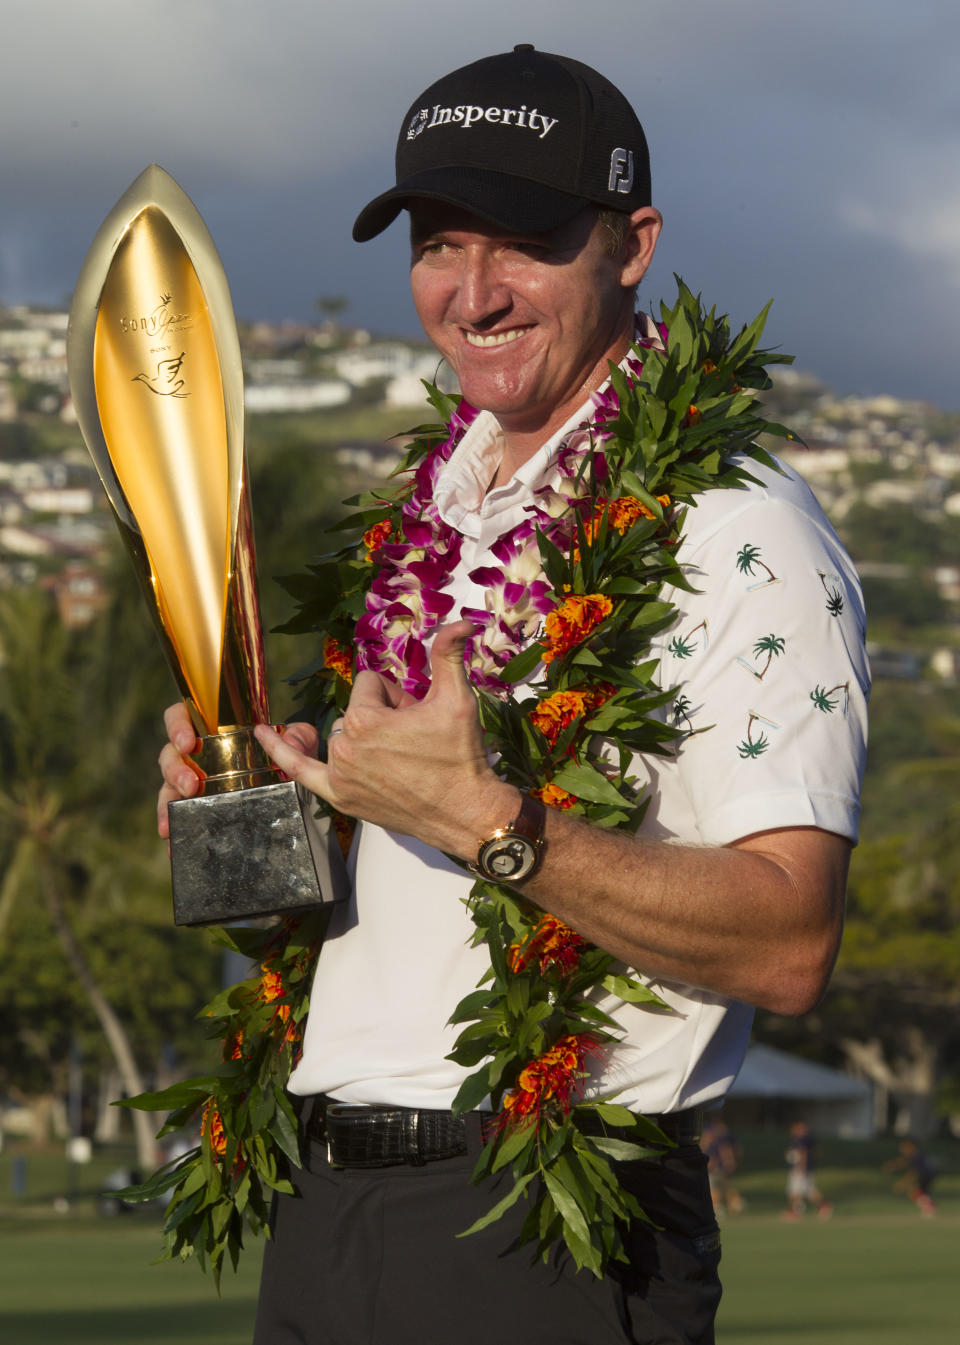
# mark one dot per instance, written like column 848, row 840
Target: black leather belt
column 379, row 1137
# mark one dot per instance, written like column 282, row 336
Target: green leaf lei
column 684, row 425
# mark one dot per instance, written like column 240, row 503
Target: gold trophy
column 157, row 383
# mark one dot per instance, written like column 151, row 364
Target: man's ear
column 639, row 244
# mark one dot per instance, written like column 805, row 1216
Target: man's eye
column 535, row 251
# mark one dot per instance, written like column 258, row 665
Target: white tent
column 774, row 1088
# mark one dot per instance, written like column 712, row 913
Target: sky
column 808, row 153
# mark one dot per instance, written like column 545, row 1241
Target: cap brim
column 499, row 198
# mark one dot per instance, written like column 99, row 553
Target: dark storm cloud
column 802, row 152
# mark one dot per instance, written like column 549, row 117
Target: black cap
column 525, row 140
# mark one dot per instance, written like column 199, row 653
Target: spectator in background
column 919, row 1171
column 723, row 1158
column 801, row 1183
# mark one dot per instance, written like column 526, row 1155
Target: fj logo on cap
column 621, row 171
column 417, row 122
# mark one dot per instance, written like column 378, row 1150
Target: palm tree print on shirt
column 824, row 700
column 683, row 646
column 753, row 747
column 681, row 711
column 747, row 557
column 771, row 645
column 834, row 596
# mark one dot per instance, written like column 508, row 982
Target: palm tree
column 771, row 645
column 681, row 710
column 747, row 557
column 60, row 778
column 331, row 306
column 824, row 699
column 753, row 747
column 834, row 596
column 682, row 646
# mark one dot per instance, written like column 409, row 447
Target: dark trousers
column 371, row 1257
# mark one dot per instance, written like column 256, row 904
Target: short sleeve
column 769, row 667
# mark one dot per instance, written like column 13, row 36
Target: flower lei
column 567, row 694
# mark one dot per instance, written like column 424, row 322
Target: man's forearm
column 759, row 921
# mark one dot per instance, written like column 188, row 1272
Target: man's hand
column 416, row 767
column 181, row 777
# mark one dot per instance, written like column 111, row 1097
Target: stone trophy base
column 240, row 853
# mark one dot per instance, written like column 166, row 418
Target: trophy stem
column 233, row 759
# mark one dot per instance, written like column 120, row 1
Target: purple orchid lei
column 406, row 603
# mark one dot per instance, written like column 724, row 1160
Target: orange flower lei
column 233, row 1045
column 554, row 945
column 375, row 536
column 557, row 712
column 555, row 1075
column 211, row 1122
column 269, row 991
column 573, row 621
column 337, row 657
column 620, row 513
column 554, row 796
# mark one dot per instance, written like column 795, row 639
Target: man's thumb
column 446, row 657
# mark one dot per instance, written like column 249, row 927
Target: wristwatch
column 513, row 852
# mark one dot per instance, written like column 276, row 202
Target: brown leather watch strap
column 531, row 820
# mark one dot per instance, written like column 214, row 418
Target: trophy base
column 252, row 853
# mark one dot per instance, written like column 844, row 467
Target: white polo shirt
column 767, row 658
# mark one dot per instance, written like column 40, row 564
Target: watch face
column 507, row 858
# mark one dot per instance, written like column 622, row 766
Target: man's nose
column 482, row 290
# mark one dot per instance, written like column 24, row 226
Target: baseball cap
column 524, row 140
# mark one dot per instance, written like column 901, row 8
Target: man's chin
column 498, row 390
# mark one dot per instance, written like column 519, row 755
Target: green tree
column 894, row 533
column 84, row 886
column 898, row 981
column 331, row 306
column 891, row 1011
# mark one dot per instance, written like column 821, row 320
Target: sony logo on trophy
column 157, row 322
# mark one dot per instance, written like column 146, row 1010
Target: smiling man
column 526, row 180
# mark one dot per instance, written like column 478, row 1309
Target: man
column 919, row 1173
column 526, row 178
column 724, row 1153
column 802, row 1185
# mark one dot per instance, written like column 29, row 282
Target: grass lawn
column 76, row 1278
column 860, row 1279
column 89, row 1282
column 874, row 1274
